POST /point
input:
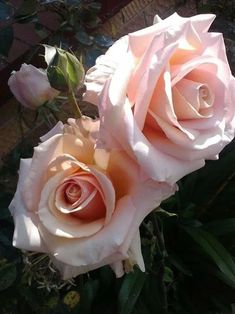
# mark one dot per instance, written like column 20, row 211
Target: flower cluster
column 165, row 96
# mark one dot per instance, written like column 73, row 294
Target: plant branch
column 73, row 100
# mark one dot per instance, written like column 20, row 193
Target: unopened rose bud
column 31, row 87
column 64, row 71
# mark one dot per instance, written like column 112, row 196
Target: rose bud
column 65, row 72
column 31, row 87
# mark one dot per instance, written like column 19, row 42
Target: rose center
column 204, row 92
column 192, row 100
column 80, row 196
column 72, row 192
column 206, row 98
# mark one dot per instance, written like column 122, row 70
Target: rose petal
column 105, row 67
column 101, row 248
column 141, row 90
column 118, row 268
column 141, row 39
column 83, row 127
column 134, row 252
column 42, row 156
column 134, row 258
column 157, row 165
column 57, row 129
column 69, row 271
column 107, row 192
column 26, row 235
column 211, row 140
column 81, row 148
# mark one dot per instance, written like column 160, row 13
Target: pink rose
column 166, row 95
column 31, row 87
column 81, row 205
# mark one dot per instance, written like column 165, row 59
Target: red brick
column 49, row 19
column 17, row 49
column 26, row 32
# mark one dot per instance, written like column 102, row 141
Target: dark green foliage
column 130, row 290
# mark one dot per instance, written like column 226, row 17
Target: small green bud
column 65, row 73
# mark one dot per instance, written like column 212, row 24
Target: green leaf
column 7, row 276
column 179, row 264
column 214, row 249
column 75, row 71
column 57, row 79
column 6, row 11
column 154, row 294
column 130, row 290
column 140, row 308
column 164, row 213
column 88, row 294
column 50, row 52
column 168, row 275
column 221, row 226
column 6, row 40
column 222, row 277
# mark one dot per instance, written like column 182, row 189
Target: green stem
column 73, row 100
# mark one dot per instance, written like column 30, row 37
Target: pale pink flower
column 82, row 205
column 166, row 95
column 31, row 87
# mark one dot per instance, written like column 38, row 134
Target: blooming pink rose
column 31, row 87
column 166, row 95
column 81, row 205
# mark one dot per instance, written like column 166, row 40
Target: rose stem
column 75, row 104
